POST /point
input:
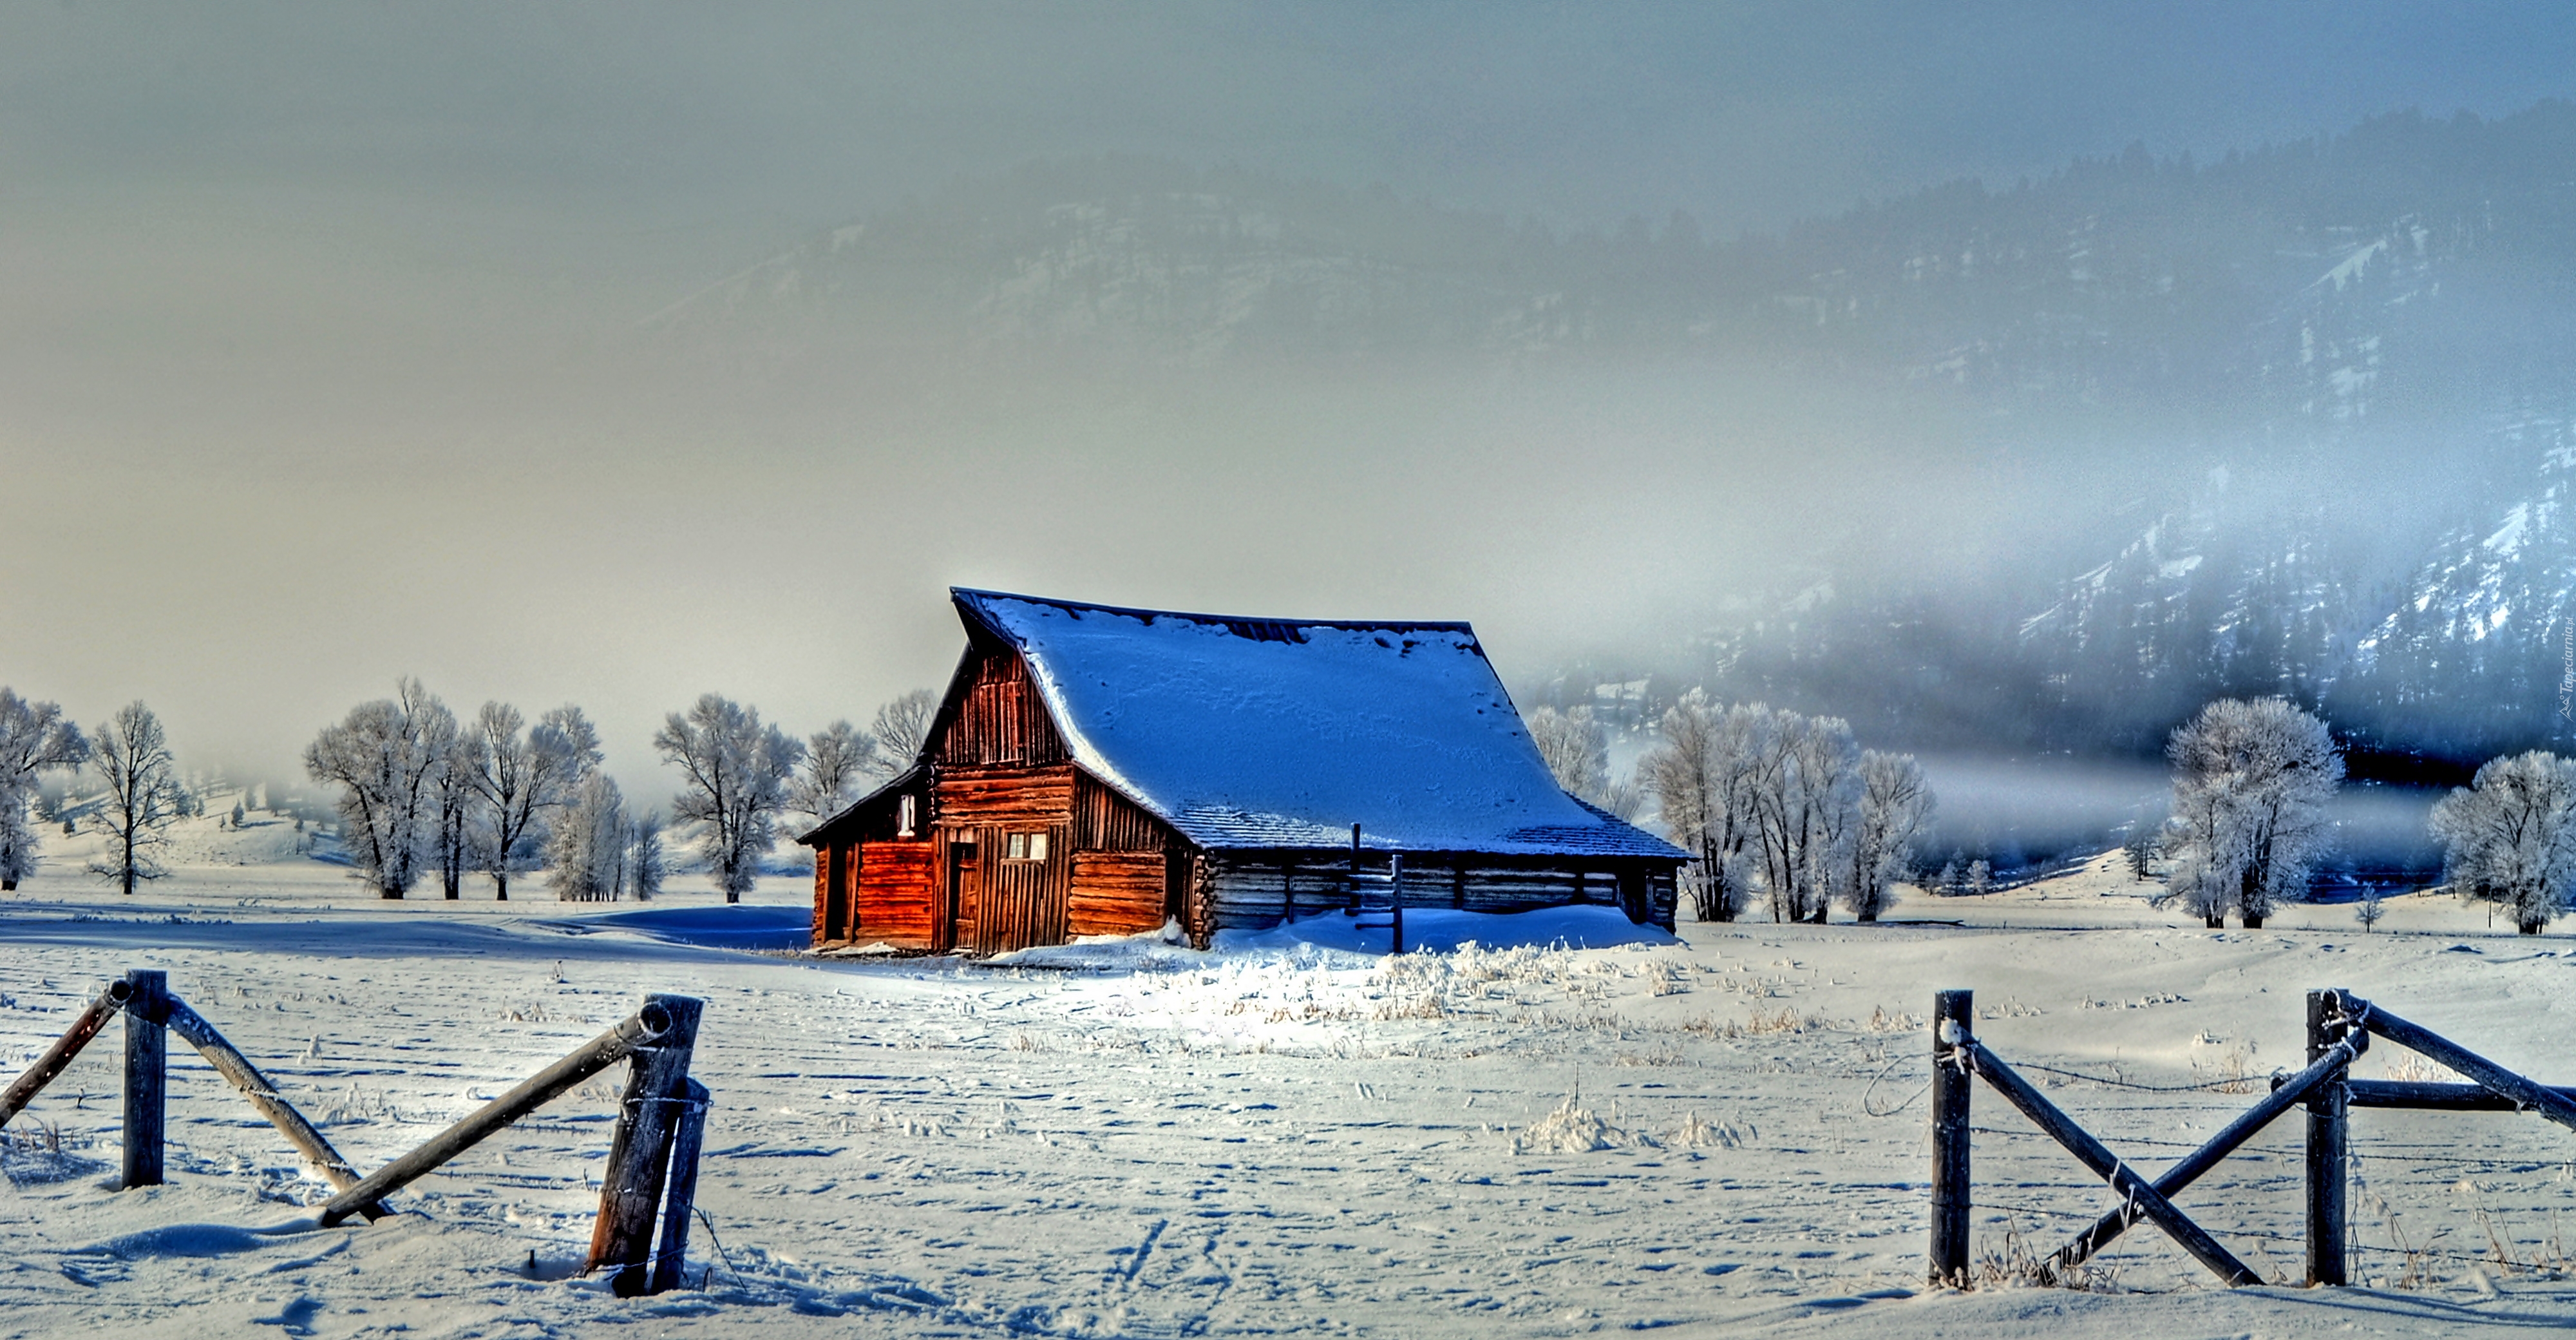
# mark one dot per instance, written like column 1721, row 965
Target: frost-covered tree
column 2370, row 909
column 34, row 739
column 1574, row 746
column 452, row 840
column 586, row 845
column 838, row 759
column 385, row 757
column 2143, row 846
column 1806, row 799
column 1980, row 879
column 523, row 778
column 735, row 774
column 1895, row 813
column 139, row 796
column 900, row 729
column 1702, row 777
column 2509, row 836
column 1952, row 881
column 2252, row 779
column 646, row 865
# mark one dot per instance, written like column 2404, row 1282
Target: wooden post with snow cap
column 147, row 1073
column 2329, row 1137
column 1953, row 1019
column 639, row 1152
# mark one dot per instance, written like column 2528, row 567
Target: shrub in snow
column 142, row 796
column 734, row 785
column 2509, row 836
column 2250, row 788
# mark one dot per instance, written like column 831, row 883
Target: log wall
column 1253, row 890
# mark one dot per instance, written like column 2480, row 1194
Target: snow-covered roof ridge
column 1250, row 732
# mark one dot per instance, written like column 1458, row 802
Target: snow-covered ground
column 1718, row 1134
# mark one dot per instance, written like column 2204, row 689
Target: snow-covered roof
column 1246, row 732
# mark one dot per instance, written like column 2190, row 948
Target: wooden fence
column 2340, row 1026
column 652, row 1154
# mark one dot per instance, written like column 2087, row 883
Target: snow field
column 1289, row 1137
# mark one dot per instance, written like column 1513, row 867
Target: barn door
column 957, row 898
column 1024, row 891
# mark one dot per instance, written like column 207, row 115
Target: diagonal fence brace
column 23, row 1090
column 2132, row 1188
column 2188, row 1168
column 2525, row 1094
column 264, row 1098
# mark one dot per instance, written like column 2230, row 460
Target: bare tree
column 2251, row 783
column 736, row 772
column 386, row 757
column 132, row 758
column 1806, row 801
column 1703, row 777
column 837, row 759
column 1895, row 813
column 1574, row 746
column 901, row 728
column 645, row 863
column 2509, row 836
column 456, row 802
column 2144, row 845
column 34, row 739
column 586, row 844
column 523, row 778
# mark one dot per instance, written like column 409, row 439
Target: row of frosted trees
column 2251, row 783
column 1785, row 810
column 420, row 792
column 1774, row 806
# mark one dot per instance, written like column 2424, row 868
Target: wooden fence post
column 1395, row 902
column 681, row 1195
column 639, row 1153
column 2328, row 1137
column 1953, row 1023
column 147, row 1068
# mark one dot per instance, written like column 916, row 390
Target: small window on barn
column 903, row 817
column 1024, row 847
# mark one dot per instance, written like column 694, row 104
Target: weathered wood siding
column 1104, row 820
column 997, row 717
column 1254, row 890
column 898, row 893
column 1117, row 892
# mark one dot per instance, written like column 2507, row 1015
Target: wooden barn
column 1099, row 771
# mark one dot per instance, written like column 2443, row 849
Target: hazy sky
column 285, row 292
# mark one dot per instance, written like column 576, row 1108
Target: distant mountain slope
column 2331, row 382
